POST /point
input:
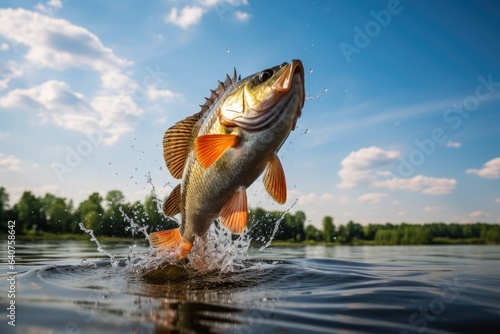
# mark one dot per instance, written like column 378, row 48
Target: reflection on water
column 431, row 289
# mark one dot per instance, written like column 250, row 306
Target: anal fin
column 274, row 180
column 235, row 213
column 171, row 240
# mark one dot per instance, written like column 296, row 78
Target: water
column 314, row 289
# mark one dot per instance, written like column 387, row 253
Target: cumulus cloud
column 371, row 198
column 420, row 183
column 431, row 208
column 478, row 214
column 241, row 16
column 8, row 71
column 186, row 17
column 192, row 14
column 368, row 167
column 359, row 167
column 490, row 170
column 58, row 44
column 4, row 47
column 162, row 94
column 9, row 163
column 56, row 102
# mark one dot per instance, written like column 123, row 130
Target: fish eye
column 265, row 75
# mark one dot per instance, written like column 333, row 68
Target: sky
column 401, row 121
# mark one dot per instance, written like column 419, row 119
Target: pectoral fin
column 171, row 206
column 209, row 148
column 274, row 180
column 234, row 214
column 171, row 240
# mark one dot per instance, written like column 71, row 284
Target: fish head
column 257, row 101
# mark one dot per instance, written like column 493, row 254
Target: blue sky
column 401, row 123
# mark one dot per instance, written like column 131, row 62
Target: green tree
column 6, row 213
column 30, row 213
column 312, row 233
column 328, row 229
column 59, row 214
column 89, row 212
column 155, row 217
column 113, row 223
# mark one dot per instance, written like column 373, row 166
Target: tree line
column 112, row 216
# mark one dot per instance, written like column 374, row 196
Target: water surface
column 313, row 289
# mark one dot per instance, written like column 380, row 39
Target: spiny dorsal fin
column 171, row 206
column 176, row 143
column 219, row 90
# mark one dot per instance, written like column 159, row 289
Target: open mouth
column 290, row 84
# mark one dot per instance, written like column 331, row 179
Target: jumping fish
column 221, row 150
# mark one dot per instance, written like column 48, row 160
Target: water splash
column 276, row 227
column 317, row 96
column 100, row 249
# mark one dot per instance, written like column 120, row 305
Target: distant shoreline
column 43, row 236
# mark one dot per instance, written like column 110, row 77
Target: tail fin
column 171, row 240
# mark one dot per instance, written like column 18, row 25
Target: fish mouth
column 289, row 83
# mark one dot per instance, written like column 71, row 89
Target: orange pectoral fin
column 209, row 148
column 234, row 214
column 171, row 240
column 274, row 180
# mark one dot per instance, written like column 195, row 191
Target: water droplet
column 311, row 70
column 325, row 90
column 306, row 131
column 227, row 50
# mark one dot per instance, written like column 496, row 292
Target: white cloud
column 431, row 208
column 424, row 184
column 478, row 214
column 186, row 17
column 490, row 170
column 9, row 163
column 54, row 101
column 162, row 94
column 371, row 198
column 326, row 198
column 359, row 167
column 4, row 134
column 497, row 200
column 453, row 144
column 401, row 213
column 8, row 71
column 4, row 47
column 192, row 14
column 58, row 44
column 241, row 16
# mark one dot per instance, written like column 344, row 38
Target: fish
column 221, row 150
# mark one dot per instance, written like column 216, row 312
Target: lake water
column 314, row 289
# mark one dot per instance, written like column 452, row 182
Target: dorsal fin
column 219, row 90
column 177, row 141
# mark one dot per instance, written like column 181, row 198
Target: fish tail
column 171, row 240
